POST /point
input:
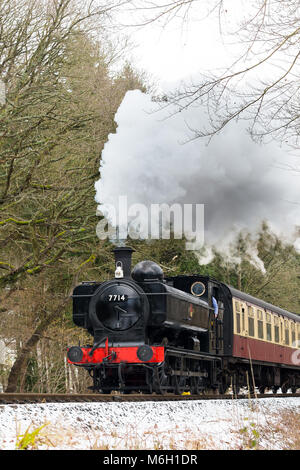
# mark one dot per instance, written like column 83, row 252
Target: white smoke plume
column 151, row 160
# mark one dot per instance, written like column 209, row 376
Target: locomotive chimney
column 123, row 256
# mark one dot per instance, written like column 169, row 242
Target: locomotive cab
column 218, row 299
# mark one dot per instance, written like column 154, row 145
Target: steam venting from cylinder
column 123, row 255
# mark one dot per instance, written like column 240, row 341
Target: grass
column 30, row 439
column 283, row 430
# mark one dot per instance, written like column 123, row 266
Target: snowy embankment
column 203, row 424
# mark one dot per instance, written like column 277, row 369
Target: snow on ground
column 201, row 424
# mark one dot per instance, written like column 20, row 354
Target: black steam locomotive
column 156, row 334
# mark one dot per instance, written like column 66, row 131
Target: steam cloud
column 241, row 183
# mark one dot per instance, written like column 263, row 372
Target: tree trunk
column 19, row 367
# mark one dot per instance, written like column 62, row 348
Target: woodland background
column 64, row 81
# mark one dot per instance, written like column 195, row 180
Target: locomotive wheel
column 275, row 389
column 223, row 387
column 161, row 380
column 106, row 391
column 196, row 385
column 149, row 382
column 262, row 389
column 178, row 381
column 235, row 385
column 284, row 388
column 178, row 384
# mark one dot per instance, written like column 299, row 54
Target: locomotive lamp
column 123, row 256
column 119, row 271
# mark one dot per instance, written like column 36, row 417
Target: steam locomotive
column 156, row 334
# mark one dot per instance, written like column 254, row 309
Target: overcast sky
column 179, row 49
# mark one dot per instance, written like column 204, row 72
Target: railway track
column 31, row 398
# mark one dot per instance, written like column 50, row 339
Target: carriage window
column 260, row 324
column 238, row 317
column 243, row 320
column 251, row 326
column 269, row 327
column 269, row 332
column 287, row 332
column 238, row 323
column 293, row 327
column 251, row 321
column 276, row 329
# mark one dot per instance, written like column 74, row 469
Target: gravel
column 201, row 424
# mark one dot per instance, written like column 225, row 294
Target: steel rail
column 40, row 398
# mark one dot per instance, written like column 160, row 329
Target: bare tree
column 262, row 84
column 146, row 12
column 61, row 98
column 44, row 124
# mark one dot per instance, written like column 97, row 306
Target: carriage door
column 216, row 321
